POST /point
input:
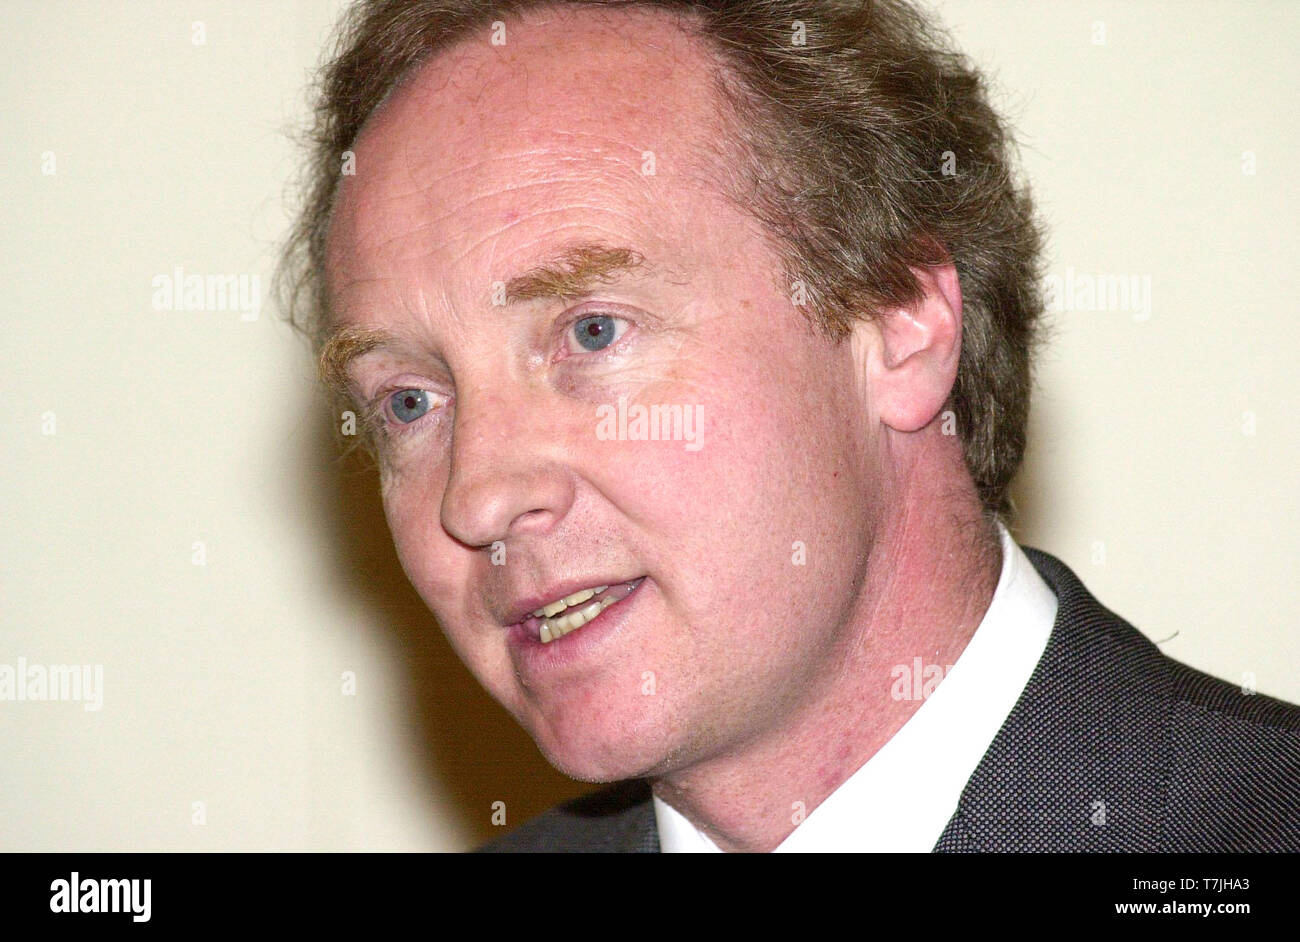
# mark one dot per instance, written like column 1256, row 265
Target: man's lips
column 522, row 609
column 542, row 631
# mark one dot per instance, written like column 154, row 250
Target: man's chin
column 588, row 764
column 603, row 755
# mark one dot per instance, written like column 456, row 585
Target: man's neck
column 931, row 580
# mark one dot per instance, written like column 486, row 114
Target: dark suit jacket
column 1181, row 761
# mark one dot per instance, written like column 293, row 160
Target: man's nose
column 508, row 475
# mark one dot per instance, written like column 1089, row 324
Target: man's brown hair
column 862, row 140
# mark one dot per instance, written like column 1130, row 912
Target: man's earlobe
column 908, row 355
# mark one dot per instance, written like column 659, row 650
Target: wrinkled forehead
column 615, row 109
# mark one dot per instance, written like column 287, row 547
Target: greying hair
column 862, row 140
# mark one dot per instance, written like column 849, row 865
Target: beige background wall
column 185, row 527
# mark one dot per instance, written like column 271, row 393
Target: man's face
column 504, row 481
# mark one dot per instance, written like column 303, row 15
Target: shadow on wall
column 471, row 748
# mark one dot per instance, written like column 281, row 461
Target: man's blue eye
column 596, row 332
column 409, row 404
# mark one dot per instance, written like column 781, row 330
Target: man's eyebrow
column 573, row 272
column 343, row 345
column 570, row 274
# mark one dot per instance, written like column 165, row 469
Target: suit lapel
column 1077, row 766
column 645, row 840
column 638, row 832
column 619, row 819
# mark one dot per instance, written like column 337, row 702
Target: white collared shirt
column 903, row 797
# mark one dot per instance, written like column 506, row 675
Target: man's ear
column 907, row 357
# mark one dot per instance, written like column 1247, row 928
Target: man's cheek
column 427, row 562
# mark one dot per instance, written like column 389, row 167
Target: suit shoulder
column 1233, row 775
column 1197, row 692
column 619, row 817
column 1191, row 763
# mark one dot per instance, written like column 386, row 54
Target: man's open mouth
column 558, row 618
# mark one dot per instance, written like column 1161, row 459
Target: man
column 692, row 341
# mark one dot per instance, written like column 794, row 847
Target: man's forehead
column 586, row 118
column 567, row 53
column 613, row 94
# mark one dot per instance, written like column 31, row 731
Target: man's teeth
column 559, row 605
column 554, row 628
column 564, row 615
